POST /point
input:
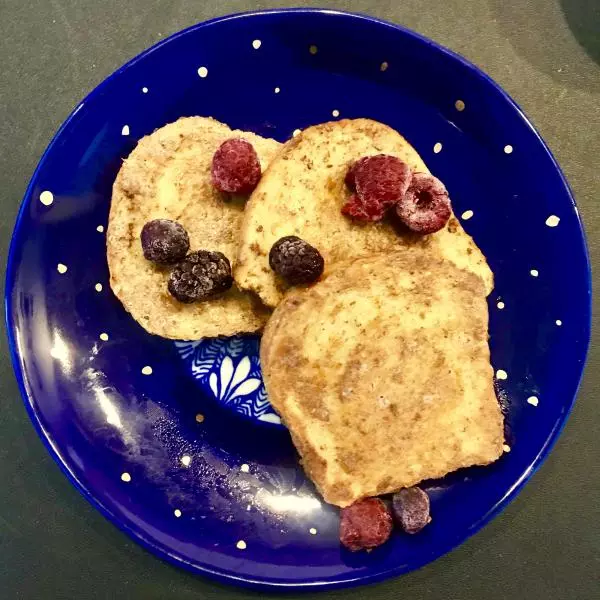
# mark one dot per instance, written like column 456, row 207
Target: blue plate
column 176, row 444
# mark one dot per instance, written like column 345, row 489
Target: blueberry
column 296, row 261
column 199, row 276
column 164, row 241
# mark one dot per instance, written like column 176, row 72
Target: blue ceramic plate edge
column 228, row 576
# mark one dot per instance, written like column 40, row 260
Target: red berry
column 365, row 524
column 425, row 208
column 235, row 167
column 350, row 178
column 381, row 181
column 362, row 211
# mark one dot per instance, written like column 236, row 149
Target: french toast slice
column 302, row 194
column 381, row 372
column 168, row 176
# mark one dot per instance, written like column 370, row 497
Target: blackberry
column 296, row 261
column 199, row 276
column 164, row 242
column 411, row 509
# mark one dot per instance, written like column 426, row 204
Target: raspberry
column 362, row 211
column 235, row 167
column 296, row 261
column 381, row 181
column 365, row 524
column 411, row 509
column 164, row 241
column 199, row 276
column 425, row 208
column 350, row 179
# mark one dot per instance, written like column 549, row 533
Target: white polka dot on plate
column 552, row 221
column 203, row 72
column 501, row 374
column 534, row 272
column 533, row 400
column 144, row 90
column 98, row 287
column 508, row 149
column 384, row 66
column 256, row 44
column 313, row 49
column 241, row 545
column 506, row 448
column 62, row 269
column 459, row 105
column 313, row 531
column 186, row 460
column 100, row 228
column 335, row 113
column 500, row 305
column 177, row 513
column 126, row 477
column 147, row 370
column 277, row 90
column 558, row 322
column 467, row 215
column 46, row 198
column 125, row 130
column 104, row 337
column 437, row 148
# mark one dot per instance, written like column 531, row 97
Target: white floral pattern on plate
column 229, row 370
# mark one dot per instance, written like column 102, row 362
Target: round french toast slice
column 168, row 176
column 302, row 194
column 381, row 372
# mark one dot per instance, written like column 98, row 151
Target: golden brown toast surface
column 167, row 176
column 382, row 374
column 302, row 194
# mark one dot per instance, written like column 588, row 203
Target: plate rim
column 224, row 575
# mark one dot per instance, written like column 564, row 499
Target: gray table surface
column 545, row 53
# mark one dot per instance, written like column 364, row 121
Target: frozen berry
column 164, row 241
column 350, row 178
column 296, row 261
column 362, row 211
column 200, row 275
column 365, row 524
column 380, row 181
column 235, row 167
column 411, row 509
column 425, row 208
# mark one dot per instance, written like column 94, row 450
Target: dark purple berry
column 296, row 261
column 235, row 167
column 411, row 509
column 365, row 524
column 164, row 241
column 199, row 276
column 425, row 208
